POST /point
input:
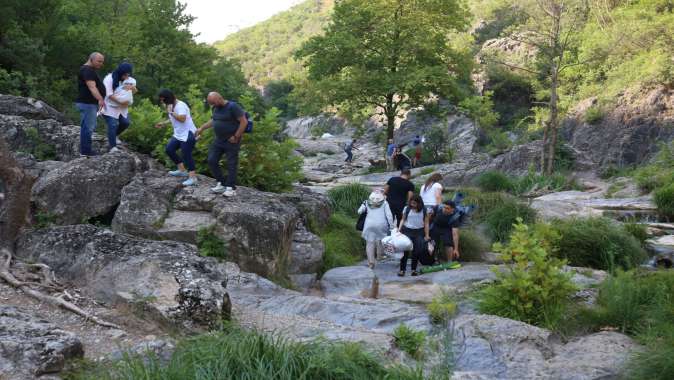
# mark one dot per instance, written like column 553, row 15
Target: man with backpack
column 445, row 223
column 229, row 122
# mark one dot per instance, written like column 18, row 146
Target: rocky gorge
column 122, row 238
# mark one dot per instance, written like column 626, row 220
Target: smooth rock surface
column 306, row 252
column 31, row 346
column 355, row 281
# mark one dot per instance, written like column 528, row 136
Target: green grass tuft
column 347, row 198
column 210, row 245
column 664, row 200
column 494, row 181
column 343, row 244
column 442, row 308
column 501, row 218
column 410, row 341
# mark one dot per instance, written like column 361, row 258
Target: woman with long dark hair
column 184, row 132
column 116, row 110
column 431, row 191
column 414, row 225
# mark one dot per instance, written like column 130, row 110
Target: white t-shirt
column 414, row 220
column 181, row 130
column 428, row 195
column 112, row 108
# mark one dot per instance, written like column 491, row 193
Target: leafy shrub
column 442, row 308
column 533, row 181
column 485, row 202
column 598, row 243
column 494, row 181
column 235, row 353
column 472, row 245
column 664, row 199
column 480, row 109
column 659, row 173
column 532, row 288
column 593, row 115
column 142, row 136
column 436, row 148
column 410, row 340
column 502, row 217
column 343, row 244
column 210, row 244
column 639, row 231
column 347, row 198
column 38, row 148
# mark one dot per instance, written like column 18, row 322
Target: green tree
column 388, row 55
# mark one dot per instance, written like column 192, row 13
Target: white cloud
column 216, row 19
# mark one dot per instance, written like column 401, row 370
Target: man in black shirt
column 90, row 100
column 398, row 192
column 446, row 222
column 229, row 122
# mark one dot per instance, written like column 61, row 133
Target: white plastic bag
column 401, row 242
column 387, row 242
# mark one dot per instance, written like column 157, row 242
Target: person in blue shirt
column 390, row 149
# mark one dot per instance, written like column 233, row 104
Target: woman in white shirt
column 184, row 132
column 431, row 192
column 414, row 224
column 116, row 111
column 378, row 222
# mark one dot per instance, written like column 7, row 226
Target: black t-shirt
column 88, row 73
column 398, row 187
column 445, row 221
column 226, row 120
column 402, row 162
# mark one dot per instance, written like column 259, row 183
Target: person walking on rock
column 400, row 160
column 378, row 223
column 229, row 123
column 431, row 191
column 348, row 149
column 414, row 225
column 446, row 222
column 90, row 100
column 116, row 111
column 184, row 137
column 390, row 150
column 399, row 191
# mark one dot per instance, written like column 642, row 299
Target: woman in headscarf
column 378, row 223
column 116, row 110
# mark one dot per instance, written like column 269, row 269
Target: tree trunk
column 390, row 112
column 544, row 147
column 552, row 143
column 15, row 207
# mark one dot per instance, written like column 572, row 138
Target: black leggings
column 417, row 237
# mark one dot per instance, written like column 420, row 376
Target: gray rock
column 85, row 187
column 185, row 225
column 29, row 108
column 30, row 346
column 160, row 349
column 568, row 204
column 301, row 128
column 306, row 252
column 356, row 281
column 167, row 280
column 314, row 207
column 304, row 282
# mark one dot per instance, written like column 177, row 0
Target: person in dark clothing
column 348, row 149
column 414, row 224
column 401, row 161
column 445, row 229
column 399, row 191
column 90, row 100
column 229, row 123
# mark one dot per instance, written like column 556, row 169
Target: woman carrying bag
column 414, row 225
column 378, row 222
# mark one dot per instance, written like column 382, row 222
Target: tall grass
column 502, row 217
column 235, row 353
column 491, row 181
column 343, row 244
column 664, row 200
column 495, row 181
column 347, row 198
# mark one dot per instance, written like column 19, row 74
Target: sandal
column 401, row 273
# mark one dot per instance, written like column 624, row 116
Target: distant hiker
column 398, row 191
column 414, row 225
column 90, row 100
column 431, row 191
column 229, row 122
column 390, row 149
column 378, row 223
column 184, row 137
column 119, row 89
column 348, row 149
column 417, row 141
column 400, row 160
column 446, row 221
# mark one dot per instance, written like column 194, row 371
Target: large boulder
column 302, row 127
column 168, row 279
column 29, row 108
column 314, row 207
column 31, row 346
column 85, row 187
column 257, row 227
column 306, row 252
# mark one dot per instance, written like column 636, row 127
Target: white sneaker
column 191, row 182
column 114, row 149
column 119, row 142
column 229, row 192
column 177, row 173
column 218, row 189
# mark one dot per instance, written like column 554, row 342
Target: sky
column 215, row 19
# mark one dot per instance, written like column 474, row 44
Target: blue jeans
column 185, row 147
column 231, row 151
column 349, row 155
column 115, row 128
column 87, row 126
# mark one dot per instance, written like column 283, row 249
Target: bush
column 343, row 244
column 410, row 341
column 348, row 198
column 533, row 182
column 598, row 243
column 593, row 115
column 639, row 231
column 211, row 245
column 436, row 149
column 485, row 202
column 533, row 288
column 472, row 245
column 664, row 199
column 234, row 353
column 502, row 217
column 494, row 181
column 442, row 308
column 659, row 173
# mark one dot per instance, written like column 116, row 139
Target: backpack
column 463, row 212
column 249, row 126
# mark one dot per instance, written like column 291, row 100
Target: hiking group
column 111, row 98
column 424, row 221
